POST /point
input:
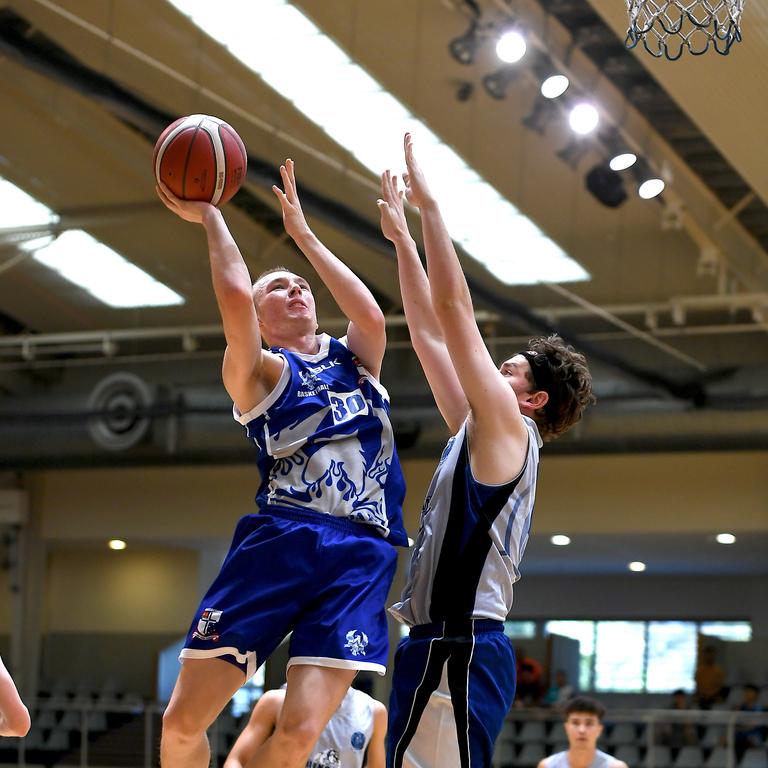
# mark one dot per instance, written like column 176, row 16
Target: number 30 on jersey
column 347, row 405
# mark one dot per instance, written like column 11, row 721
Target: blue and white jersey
column 471, row 539
column 325, row 442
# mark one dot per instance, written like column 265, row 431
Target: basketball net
column 667, row 28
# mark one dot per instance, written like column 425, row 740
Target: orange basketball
column 200, row 157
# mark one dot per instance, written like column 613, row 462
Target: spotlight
column 511, row 47
column 606, row 185
column 651, row 188
column 464, row 48
column 464, row 91
column 540, row 115
column 623, row 161
column 636, row 566
column 725, row 538
column 560, row 540
column 572, row 152
column 583, row 118
column 554, row 86
column 116, row 544
column 496, row 83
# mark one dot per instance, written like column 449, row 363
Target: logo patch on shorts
column 328, row 759
column 206, row 626
column 357, row 642
column 358, row 739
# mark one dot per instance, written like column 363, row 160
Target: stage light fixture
column 496, row 83
column 623, row 161
column 511, row 47
column 583, row 118
column 541, row 114
column 606, row 186
column 651, row 188
column 572, row 152
column 464, row 48
column 554, row 86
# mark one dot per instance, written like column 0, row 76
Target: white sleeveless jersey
column 471, row 539
column 343, row 742
column 560, row 760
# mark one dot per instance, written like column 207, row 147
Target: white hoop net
column 669, row 27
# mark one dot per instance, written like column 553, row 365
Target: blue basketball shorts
column 452, row 686
column 324, row 579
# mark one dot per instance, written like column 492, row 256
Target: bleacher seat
column 713, row 736
column 718, row 758
column 754, row 758
column 532, row 731
column 689, row 757
column 58, row 740
column 45, row 719
column 72, row 721
column 504, row 754
column 97, row 722
column 557, row 734
column 622, row 733
column 34, row 739
column 530, row 755
column 629, row 753
column 662, row 757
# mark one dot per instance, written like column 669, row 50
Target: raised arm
column 14, row 716
column 377, row 757
column 496, row 423
column 249, row 372
column 366, row 335
column 426, row 333
column 259, row 728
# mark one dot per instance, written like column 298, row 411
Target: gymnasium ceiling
column 674, row 317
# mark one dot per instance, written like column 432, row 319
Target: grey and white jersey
column 560, row 760
column 471, row 539
column 343, row 742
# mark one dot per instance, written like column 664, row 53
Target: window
column 671, row 655
column 642, row 656
column 520, row 629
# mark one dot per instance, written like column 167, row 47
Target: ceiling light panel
column 323, row 83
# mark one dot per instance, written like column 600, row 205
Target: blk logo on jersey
column 206, row 626
column 357, row 642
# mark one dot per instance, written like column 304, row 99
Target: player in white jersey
column 353, row 737
column 583, row 726
column 317, row 560
column 454, row 675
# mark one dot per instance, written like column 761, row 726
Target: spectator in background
column 529, row 680
column 14, row 716
column 748, row 735
column 710, row 679
column 559, row 692
column 678, row 733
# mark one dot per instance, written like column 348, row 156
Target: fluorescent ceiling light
column 116, row 544
column 636, row 566
column 561, row 540
column 323, row 83
column 80, row 258
column 725, row 538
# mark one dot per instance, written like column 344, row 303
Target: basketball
column 200, row 157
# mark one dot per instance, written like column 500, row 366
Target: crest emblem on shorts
column 358, row 739
column 357, row 642
column 206, row 626
column 327, row 759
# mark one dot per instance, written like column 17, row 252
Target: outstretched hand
column 416, row 190
column 293, row 217
column 393, row 222
column 189, row 210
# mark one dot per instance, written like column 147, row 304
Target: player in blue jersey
column 318, row 560
column 454, row 676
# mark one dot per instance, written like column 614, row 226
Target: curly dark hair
column 568, row 384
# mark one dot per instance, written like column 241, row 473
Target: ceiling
column 672, row 319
